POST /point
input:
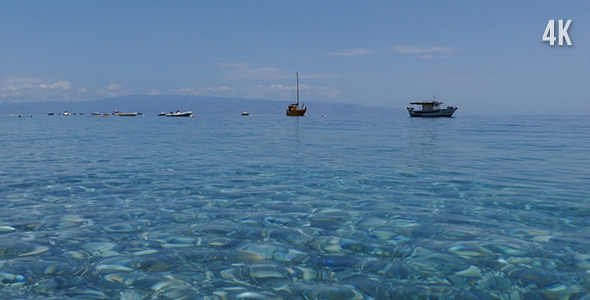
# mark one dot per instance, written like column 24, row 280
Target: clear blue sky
column 481, row 56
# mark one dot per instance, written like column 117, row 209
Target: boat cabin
column 428, row 105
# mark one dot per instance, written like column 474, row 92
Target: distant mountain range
column 152, row 104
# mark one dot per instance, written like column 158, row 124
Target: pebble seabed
column 97, row 220
column 198, row 248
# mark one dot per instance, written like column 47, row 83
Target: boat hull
column 180, row 115
column 296, row 113
column 445, row 112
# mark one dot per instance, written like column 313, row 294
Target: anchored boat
column 293, row 110
column 431, row 109
column 178, row 113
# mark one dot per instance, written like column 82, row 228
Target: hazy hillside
column 149, row 104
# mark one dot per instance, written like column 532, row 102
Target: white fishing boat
column 178, row 113
column 431, row 109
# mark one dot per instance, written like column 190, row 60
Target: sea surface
column 271, row 207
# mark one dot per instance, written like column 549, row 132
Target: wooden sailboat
column 293, row 110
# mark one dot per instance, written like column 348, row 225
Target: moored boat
column 178, row 113
column 431, row 109
column 293, row 110
column 245, row 113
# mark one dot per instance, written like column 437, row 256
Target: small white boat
column 431, row 109
column 178, row 113
column 66, row 113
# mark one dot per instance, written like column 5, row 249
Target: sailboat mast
column 297, row 89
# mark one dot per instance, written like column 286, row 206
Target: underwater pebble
column 77, row 254
column 291, row 255
column 98, row 247
column 179, row 242
column 325, row 291
column 123, row 278
column 5, row 229
column 87, row 294
column 264, row 274
column 113, row 268
column 73, row 218
column 327, row 244
column 145, row 252
column 219, row 242
column 256, row 253
column 11, row 279
column 9, row 248
column 472, row 271
column 256, row 296
column 468, row 250
column 156, row 263
column 169, row 283
column 383, row 235
column 131, row 295
column 38, row 250
column 121, row 228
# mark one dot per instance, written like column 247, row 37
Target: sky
column 485, row 57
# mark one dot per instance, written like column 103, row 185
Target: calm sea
column 271, row 207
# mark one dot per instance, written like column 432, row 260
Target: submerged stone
column 121, row 228
column 11, row 279
column 472, row 271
